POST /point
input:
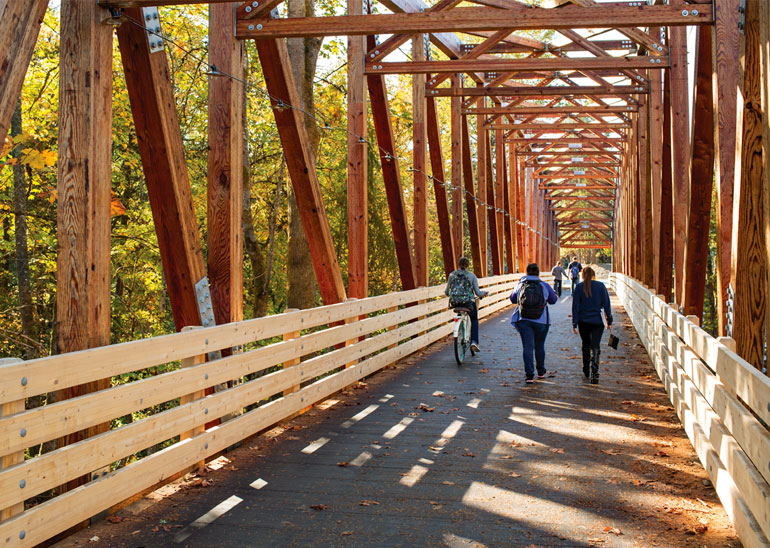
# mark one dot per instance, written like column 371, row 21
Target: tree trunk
column 304, row 55
column 22, row 254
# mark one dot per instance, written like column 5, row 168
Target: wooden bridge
column 582, row 143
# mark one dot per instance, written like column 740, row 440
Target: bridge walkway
column 430, row 454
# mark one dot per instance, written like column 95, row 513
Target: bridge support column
column 419, row 151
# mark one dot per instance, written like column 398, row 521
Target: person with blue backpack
column 462, row 288
column 574, row 269
column 532, row 320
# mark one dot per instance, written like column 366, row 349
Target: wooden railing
column 291, row 361
column 722, row 401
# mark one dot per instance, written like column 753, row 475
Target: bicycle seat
column 459, row 309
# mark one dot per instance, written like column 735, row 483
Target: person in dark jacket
column 574, row 270
column 590, row 298
column 533, row 331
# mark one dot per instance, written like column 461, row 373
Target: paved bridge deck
column 429, row 454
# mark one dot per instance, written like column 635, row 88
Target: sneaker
column 475, row 347
column 539, row 376
column 529, row 381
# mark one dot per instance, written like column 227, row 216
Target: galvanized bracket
column 206, row 310
column 742, row 16
column 151, row 20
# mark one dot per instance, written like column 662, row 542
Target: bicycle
column 462, row 334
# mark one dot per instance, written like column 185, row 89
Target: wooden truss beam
column 276, row 67
column 515, row 65
column 383, row 128
column 151, row 93
column 537, row 92
column 471, row 206
column 19, row 26
column 475, row 19
column 554, row 111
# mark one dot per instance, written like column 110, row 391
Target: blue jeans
column 533, row 336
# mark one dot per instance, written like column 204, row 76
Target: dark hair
column 588, row 275
column 533, row 269
column 463, row 263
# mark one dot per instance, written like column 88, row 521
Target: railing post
column 351, row 342
column 6, row 409
column 694, row 319
column 294, row 361
column 394, row 326
column 197, row 395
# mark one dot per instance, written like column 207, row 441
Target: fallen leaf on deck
column 612, row 530
column 514, row 475
column 556, row 450
column 343, row 464
column 484, row 370
column 424, row 407
column 636, row 418
column 448, row 483
column 319, row 507
column 627, row 402
column 115, row 519
column 346, row 533
column 368, row 503
column 467, row 453
column 661, row 454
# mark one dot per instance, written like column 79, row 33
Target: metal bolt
column 248, row 9
column 380, row 67
column 147, row 17
column 377, row 51
column 255, row 4
column 652, row 61
column 22, row 534
column 24, row 381
column 205, row 411
column 371, row 55
column 259, row 27
column 206, row 376
column 23, row 484
column 206, row 445
column 251, row 27
column 155, row 15
column 685, row 13
column 695, row 12
column 23, row 432
column 658, row 61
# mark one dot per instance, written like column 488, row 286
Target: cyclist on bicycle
column 462, row 288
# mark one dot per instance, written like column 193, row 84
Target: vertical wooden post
column 666, row 244
column 764, row 44
column 391, row 175
column 20, row 22
column 7, row 409
column 358, row 217
column 439, row 187
column 749, row 271
column 481, row 189
column 513, row 165
column 351, row 342
column 197, row 395
column 394, row 326
column 680, row 141
column 457, row 170
column 508, row 216
column 656, row 165
column 471, row 206
column 419, row 150
column 225, row 167
column 492, row 200
column 645, row 217
column 500, row 196
column 702, row 176
column 276, row 67
column 726, row 58
column 83, row 192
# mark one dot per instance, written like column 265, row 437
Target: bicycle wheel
column 460, row 344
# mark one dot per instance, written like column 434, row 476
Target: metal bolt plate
column 154, row 32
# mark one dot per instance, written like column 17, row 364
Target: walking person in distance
column 532, row 320
column 462, row 288
column 588, row 300
column 558, row 276
column 574, row 269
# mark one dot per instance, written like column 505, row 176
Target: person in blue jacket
column 532, row 319
column 590, row 298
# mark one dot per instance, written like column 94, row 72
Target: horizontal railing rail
column 722, row 401
column 287, row 362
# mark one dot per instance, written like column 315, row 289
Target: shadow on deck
column 430, row 454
